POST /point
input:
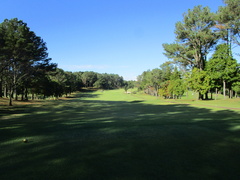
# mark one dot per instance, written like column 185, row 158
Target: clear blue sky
column 124, row 37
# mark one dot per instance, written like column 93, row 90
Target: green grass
column 113, row 135
column 191, row 99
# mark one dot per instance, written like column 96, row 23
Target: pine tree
column 223, row 66
column 228, row 18
column 21, row 54
column 194, row 38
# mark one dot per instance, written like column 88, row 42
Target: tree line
column 200, row 33
column 26, row 69
column 62, row 82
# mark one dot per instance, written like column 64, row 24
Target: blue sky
column 124, row 37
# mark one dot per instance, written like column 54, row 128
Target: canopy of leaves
column 228, row 18
column 222, row 65
column 199, row 81
column 23, row 55
column 194, row 38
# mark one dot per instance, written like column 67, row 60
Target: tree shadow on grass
column 84, row 93
column 88, row 139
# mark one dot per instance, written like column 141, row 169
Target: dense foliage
column 194, row 38
column 23, row 58
column 65, row 82
column 200, row 32
column 165, row 81
column 26, row 69
column 223, row 68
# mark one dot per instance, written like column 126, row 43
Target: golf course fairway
column 108, row 135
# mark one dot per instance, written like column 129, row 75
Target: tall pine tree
column 21, row 54
column 194, row 38
column 223, row 66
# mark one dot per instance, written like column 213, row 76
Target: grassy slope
column 113, row 135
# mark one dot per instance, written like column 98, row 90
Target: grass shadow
column 136, row 101
column 82, row 138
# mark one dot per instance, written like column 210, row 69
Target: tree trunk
column 206, row 95
column 5, row 91
column 230, row 93
column 224, row 89
column 10, row 101
column 157, row 91
column 22, row 96
column 216, row 94
column 16, row 95
column 200, row 96
column 1, row 88
column 26, row 94
column 10, row 97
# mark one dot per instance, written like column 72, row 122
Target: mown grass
column 113, row 135
column 191, row 99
